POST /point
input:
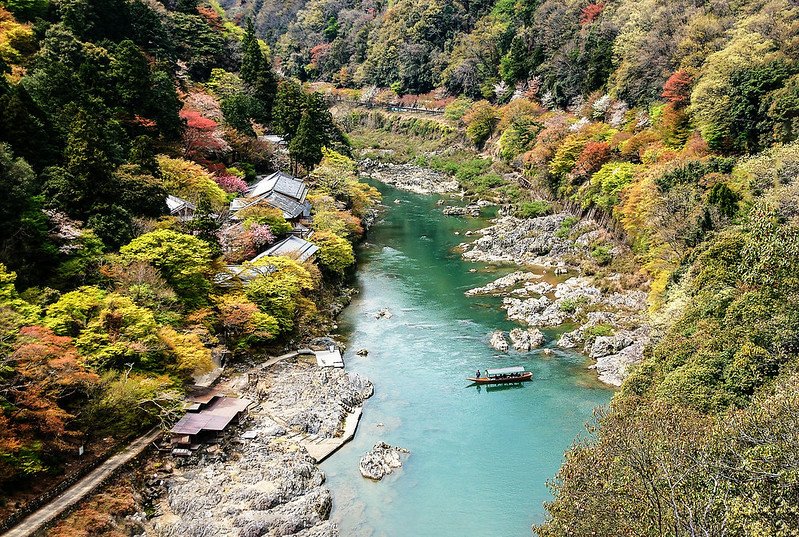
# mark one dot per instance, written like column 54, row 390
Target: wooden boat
column 503, row 375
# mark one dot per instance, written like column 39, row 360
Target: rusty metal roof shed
column 214, row 418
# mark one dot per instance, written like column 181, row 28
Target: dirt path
column 47, row 513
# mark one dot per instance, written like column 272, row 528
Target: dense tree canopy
column 112, row 114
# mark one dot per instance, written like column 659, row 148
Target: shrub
column 599, row 330
column 480, row 122
column 263, row 214
column 601, row 254
column 335, row 254
column 457, row 108
column 533, row 209
column 183, row 261
column 605, row 186
column 566, row 227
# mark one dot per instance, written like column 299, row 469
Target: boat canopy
column 505, row 371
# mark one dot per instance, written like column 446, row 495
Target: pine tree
column 252, row 60
column 306, row 147
column 287, row 112
column 257, row 74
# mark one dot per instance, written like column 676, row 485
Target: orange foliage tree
column 42, row 384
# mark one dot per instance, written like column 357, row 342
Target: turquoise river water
column 480, row 458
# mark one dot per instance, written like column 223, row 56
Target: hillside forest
column 675, row 124
column 110, row 303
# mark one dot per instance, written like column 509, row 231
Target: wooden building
column 208, row 417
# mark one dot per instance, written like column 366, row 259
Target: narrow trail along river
column 480, row 458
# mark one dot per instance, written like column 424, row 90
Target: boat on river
column 503, row 375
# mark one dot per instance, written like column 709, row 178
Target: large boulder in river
column 469, row 210
column 381, row 461
column 526, row 340
column 498, row 341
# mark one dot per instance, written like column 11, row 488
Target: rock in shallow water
column 498, row 341
column 384, row 313
column 381, row 461
column 526, row 340
column 469, row 210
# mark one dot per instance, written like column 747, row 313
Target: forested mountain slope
column 676, row 122
column 272, row 19
column 111, row 300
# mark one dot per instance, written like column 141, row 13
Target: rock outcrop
column 261, row 481
column 272, row 488
column 498, row 341
column 382, row 460
column 409, row 177
column 614, row 354
column 504, row 283
column 611, row 327
column 526, row 340
column 469, row 210
column 311, row 400
column 521, row 241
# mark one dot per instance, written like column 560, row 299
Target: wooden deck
column 322, row 448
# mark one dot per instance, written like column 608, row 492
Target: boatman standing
column 478, row 373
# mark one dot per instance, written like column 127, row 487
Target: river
column 480, row 458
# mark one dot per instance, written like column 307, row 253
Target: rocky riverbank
column 409, row 177
column 611, row 321
column 260, row 480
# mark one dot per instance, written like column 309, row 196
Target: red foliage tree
column 211, row 17
column 319, row 53
column 677, row 89
column 199, row 137
column 593, row 156
column 591, row 12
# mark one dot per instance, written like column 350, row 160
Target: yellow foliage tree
column 190, row 181
column 191, row 356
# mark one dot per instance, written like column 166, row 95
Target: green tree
column 252, row 58
column 14, row 311
column 287, row 113
column 306, row 146
column 164, row 105
column 184, row 261
column 335, row 254
column 279, row 290
column 24, row 241
column 480, row 122
column 257, row 74
column 120, row 333
column 238, row 111
column 70, row 315
column 131, row 75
